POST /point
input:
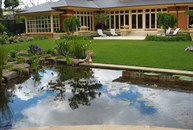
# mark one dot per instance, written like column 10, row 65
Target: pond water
column 84, row 96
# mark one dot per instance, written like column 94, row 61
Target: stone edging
column 135, row 68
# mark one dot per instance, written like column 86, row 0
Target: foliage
column 72, row 47
column 20, row 60
column 101, row 17
column 63, row 47
column 34, row 62
column 67, row 37
column 51, row 51
column 181, row 37
column 2, row 28
column 2, row 60
column 166, row 20
column 70, row 24
column 12, row 4
column 79, row 48
column 13, row 54
column 189, row 12
column 4, row 38
column 34, row 49
column 22, row 19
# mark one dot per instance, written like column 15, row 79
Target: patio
column 120, row 38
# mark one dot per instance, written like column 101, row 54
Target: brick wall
column 67, row 14
column 49, row 35
column 182, row 17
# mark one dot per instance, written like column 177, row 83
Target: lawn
column 135, row 53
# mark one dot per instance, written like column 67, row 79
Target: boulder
column 61, row 61
column 8, row 75
column 22, row 65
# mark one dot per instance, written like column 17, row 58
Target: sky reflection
column 118, row 103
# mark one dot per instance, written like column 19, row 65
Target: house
column 45, row 19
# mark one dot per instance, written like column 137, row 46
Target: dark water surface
column 84, row 96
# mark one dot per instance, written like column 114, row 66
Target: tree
column 101, row 17
column 70, row 24
column 166, row 20
column 11, row 4
column 1, row 11
column 31, row 3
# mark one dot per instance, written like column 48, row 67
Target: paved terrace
column 101, row 127
column 147, row 69
column 120, row 38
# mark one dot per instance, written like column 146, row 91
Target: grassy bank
column 136, row 53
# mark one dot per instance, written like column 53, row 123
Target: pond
column 86, row 96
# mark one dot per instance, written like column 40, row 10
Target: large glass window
column 118, row 19
column 190, row 17
column 86, row 19
column 133, row 21
column 38, row 24
column 56, row 23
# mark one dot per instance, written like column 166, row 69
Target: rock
column 61, row 61
column 51, row 59
column 8, row 75
column 3, row 80
column 22, row 65
column 22, row 54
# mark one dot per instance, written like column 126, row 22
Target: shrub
column 2, row 28
column 2, row 61
column 51, row 51
column 181, row 37
column 34, row 62
column 74, row 47
column 34, row 49
column 13, row 54
column 70, row 24
column 63, row 47
column 66, row 37
column 4, row 39
column 166, row 20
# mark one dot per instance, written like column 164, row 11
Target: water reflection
column 74, row 96
column 5, row 110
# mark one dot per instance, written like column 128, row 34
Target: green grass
column 170, row 55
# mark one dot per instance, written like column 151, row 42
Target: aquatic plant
column 34, row 62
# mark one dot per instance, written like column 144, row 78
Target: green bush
column 63, row 47
column 2, row 28
column 181, row 37
column 73, row 47
column 13, row 54
column 70, row 24
column 4, row 39
column 66, row 37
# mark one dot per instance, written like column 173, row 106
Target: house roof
column 100, row 4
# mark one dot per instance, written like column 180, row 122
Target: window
column 38, row 24
column 86, row 19
column 190, row 18
column 56, row 22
